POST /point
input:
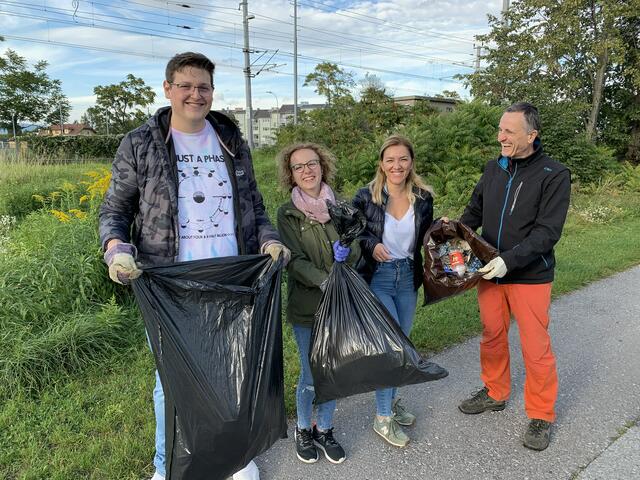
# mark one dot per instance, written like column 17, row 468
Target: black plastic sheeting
column 215, row 330
column 437, row 283
column 356, row 345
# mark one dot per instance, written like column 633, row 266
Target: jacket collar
column 525, row 161
column 228, row 133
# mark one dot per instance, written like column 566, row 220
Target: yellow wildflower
column 63, row 217
column 68, row 187
column 78, row 213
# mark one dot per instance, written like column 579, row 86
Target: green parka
column 311, row 245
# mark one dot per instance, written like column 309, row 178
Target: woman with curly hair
column 305, row 227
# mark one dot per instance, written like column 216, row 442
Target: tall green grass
column 58, row 310
column 20, row 181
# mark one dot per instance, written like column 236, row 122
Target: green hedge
column 80, row 146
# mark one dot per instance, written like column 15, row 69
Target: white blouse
column 399, row 235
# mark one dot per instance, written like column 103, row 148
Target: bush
column 74, row 147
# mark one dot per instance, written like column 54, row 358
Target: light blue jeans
column 305, row 392
column 158, row 407
column 392, row 283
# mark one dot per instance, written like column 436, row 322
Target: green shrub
column 73, row 147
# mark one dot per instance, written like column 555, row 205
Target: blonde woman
column 306, row 169
column 399, row 210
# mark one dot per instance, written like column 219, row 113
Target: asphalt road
column 596, row 337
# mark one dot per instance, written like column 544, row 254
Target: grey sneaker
column 481, row 402
column 401, row 415
column 389, row 429
column 537, row 435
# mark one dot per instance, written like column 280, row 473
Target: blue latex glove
column 340, row 253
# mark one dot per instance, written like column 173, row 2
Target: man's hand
column 340, row 253
column 495, row 268
column 275, row 249
column 120, row 258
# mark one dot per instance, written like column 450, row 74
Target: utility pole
column 295, row 62
column 61, row 124
column 107, row 122
column 13, row 122
column 505, row 9
column 247, row 73
column 478, row 53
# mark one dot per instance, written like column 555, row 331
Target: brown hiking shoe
column 537, row 435
column 481, row 402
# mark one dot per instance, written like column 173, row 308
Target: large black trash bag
column 215, row 331
column 356, row 345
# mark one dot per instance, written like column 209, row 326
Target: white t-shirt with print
column 205, row 197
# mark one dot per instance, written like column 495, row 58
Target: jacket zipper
column 504, row 206
column 515, row 197
column 236, row 201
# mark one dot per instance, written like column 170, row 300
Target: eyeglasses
column 311, row 164
column 204, row 90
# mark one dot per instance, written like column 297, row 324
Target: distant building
column 441, row 104
column 266, row 122
column 71, row 129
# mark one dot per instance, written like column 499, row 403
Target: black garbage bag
column 215, row 331
column 439, row 281
column 356, row 345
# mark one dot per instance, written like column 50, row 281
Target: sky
column 415, row 47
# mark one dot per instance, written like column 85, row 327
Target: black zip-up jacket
column 522, row 208
column 141, row 204
column 372, row 235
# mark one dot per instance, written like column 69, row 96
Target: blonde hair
column 376, row 186
column 327, row 163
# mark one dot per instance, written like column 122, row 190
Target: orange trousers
column 529, row 304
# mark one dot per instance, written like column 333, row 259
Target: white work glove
column 120, row 259
column 495, row 268
column 275, row 249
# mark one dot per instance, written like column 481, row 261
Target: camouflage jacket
column 141, row 204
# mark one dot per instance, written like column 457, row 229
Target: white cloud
column 416, row 37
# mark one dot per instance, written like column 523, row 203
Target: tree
column 28, row 94
column 330, row 81
column 448, row 94
column 120, row 107
column 561, row 56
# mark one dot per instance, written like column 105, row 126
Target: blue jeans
column 305, row 392
column 158, row 407
column 392, row 283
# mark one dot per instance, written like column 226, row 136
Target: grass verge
column 97, row 422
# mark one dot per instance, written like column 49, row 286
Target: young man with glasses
column 183, row 188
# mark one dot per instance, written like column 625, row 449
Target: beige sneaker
column 389, row 429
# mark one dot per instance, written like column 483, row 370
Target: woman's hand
column 381, row 254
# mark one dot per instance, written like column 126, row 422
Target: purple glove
column 340, row 253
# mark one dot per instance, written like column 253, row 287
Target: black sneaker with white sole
column 325, row 442
column 305, row 448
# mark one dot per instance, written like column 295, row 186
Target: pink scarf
column 314, row 208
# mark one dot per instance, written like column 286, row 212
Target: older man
column 521, row 203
